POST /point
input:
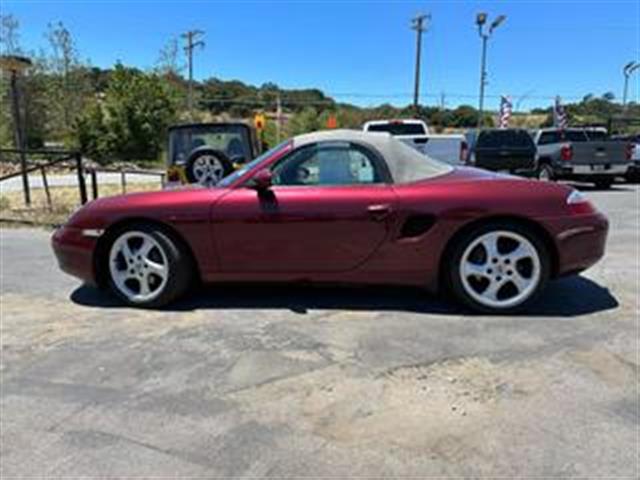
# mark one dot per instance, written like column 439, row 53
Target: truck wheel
column 604, row 184
column 207, row 167
column 545, row 173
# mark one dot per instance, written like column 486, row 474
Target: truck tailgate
column 505, row 159
column 599, row 153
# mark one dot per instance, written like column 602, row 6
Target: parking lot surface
column 295, row 381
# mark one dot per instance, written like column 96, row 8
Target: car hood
column 163, row 205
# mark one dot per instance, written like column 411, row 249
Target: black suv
column 508, row 149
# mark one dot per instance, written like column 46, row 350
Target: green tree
column 131, row 121
column 68, row 84
column 305, row 121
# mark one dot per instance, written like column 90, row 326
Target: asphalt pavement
column 321, row 382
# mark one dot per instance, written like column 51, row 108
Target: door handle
column 379, row 212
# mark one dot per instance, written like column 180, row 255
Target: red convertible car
column 339, row 207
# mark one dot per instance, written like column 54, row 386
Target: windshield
column 505, row 139
column 228, row 180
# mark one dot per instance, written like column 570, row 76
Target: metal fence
column 40, row 160
column 25, row 163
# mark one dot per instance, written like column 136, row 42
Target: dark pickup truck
column 508, row 149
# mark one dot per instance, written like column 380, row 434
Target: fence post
column 94, row 183
column 45, row 184
column 123, row 181
column 81, row 182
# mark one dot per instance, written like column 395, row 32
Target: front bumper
column 580, row 241
column 74, row 250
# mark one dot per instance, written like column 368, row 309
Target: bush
column 130, row 122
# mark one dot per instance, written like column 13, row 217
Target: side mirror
column 263, row 180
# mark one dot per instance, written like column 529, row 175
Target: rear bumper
column 580, row 241
column 74, row 252
column 589, row 170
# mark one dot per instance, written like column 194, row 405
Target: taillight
column 566, row 153
column 173, row 175
column 464, row 148
column 578, row 203
column 628, row 152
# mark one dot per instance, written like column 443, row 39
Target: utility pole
column 418, row 24
column 628, row 69
column 15, row 66
column 278, row 118
column 192, row 42
column 481, row 19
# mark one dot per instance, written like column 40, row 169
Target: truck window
column 398, row 128
column 504, row 138
column 547, row 138
column 575, row 136
column 597, row 135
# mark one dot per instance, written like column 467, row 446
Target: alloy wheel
column 208, row 170
column 138, row 266
column 500, row 269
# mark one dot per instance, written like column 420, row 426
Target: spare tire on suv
column 207, row 166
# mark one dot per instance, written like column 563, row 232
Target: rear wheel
column 498, row 268
column 604, row 183
column 545, row 173
column 147, row 267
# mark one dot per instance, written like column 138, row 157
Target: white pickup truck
column 446, row 148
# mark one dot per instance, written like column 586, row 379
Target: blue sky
column 366, row 48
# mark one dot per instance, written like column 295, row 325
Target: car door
column 329, row 209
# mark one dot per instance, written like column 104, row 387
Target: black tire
column 192, row 177
column 545, row 172
column 632, row 177
column 603, row 184
column 180, row 274
column 452, row 263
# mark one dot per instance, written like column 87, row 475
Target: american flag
column 559, row 115
column 505, row 111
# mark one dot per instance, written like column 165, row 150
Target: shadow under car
column 566, row 297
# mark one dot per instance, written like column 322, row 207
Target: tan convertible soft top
column 405, row 163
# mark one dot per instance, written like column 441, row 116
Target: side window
column 330, row 163
column 547, row 138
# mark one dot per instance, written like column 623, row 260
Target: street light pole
column 481, row 20
column 627, row 70
column 417, row 24
column 483, row 78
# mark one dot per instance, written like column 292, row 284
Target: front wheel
column 498, row 268
column 147, row 267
